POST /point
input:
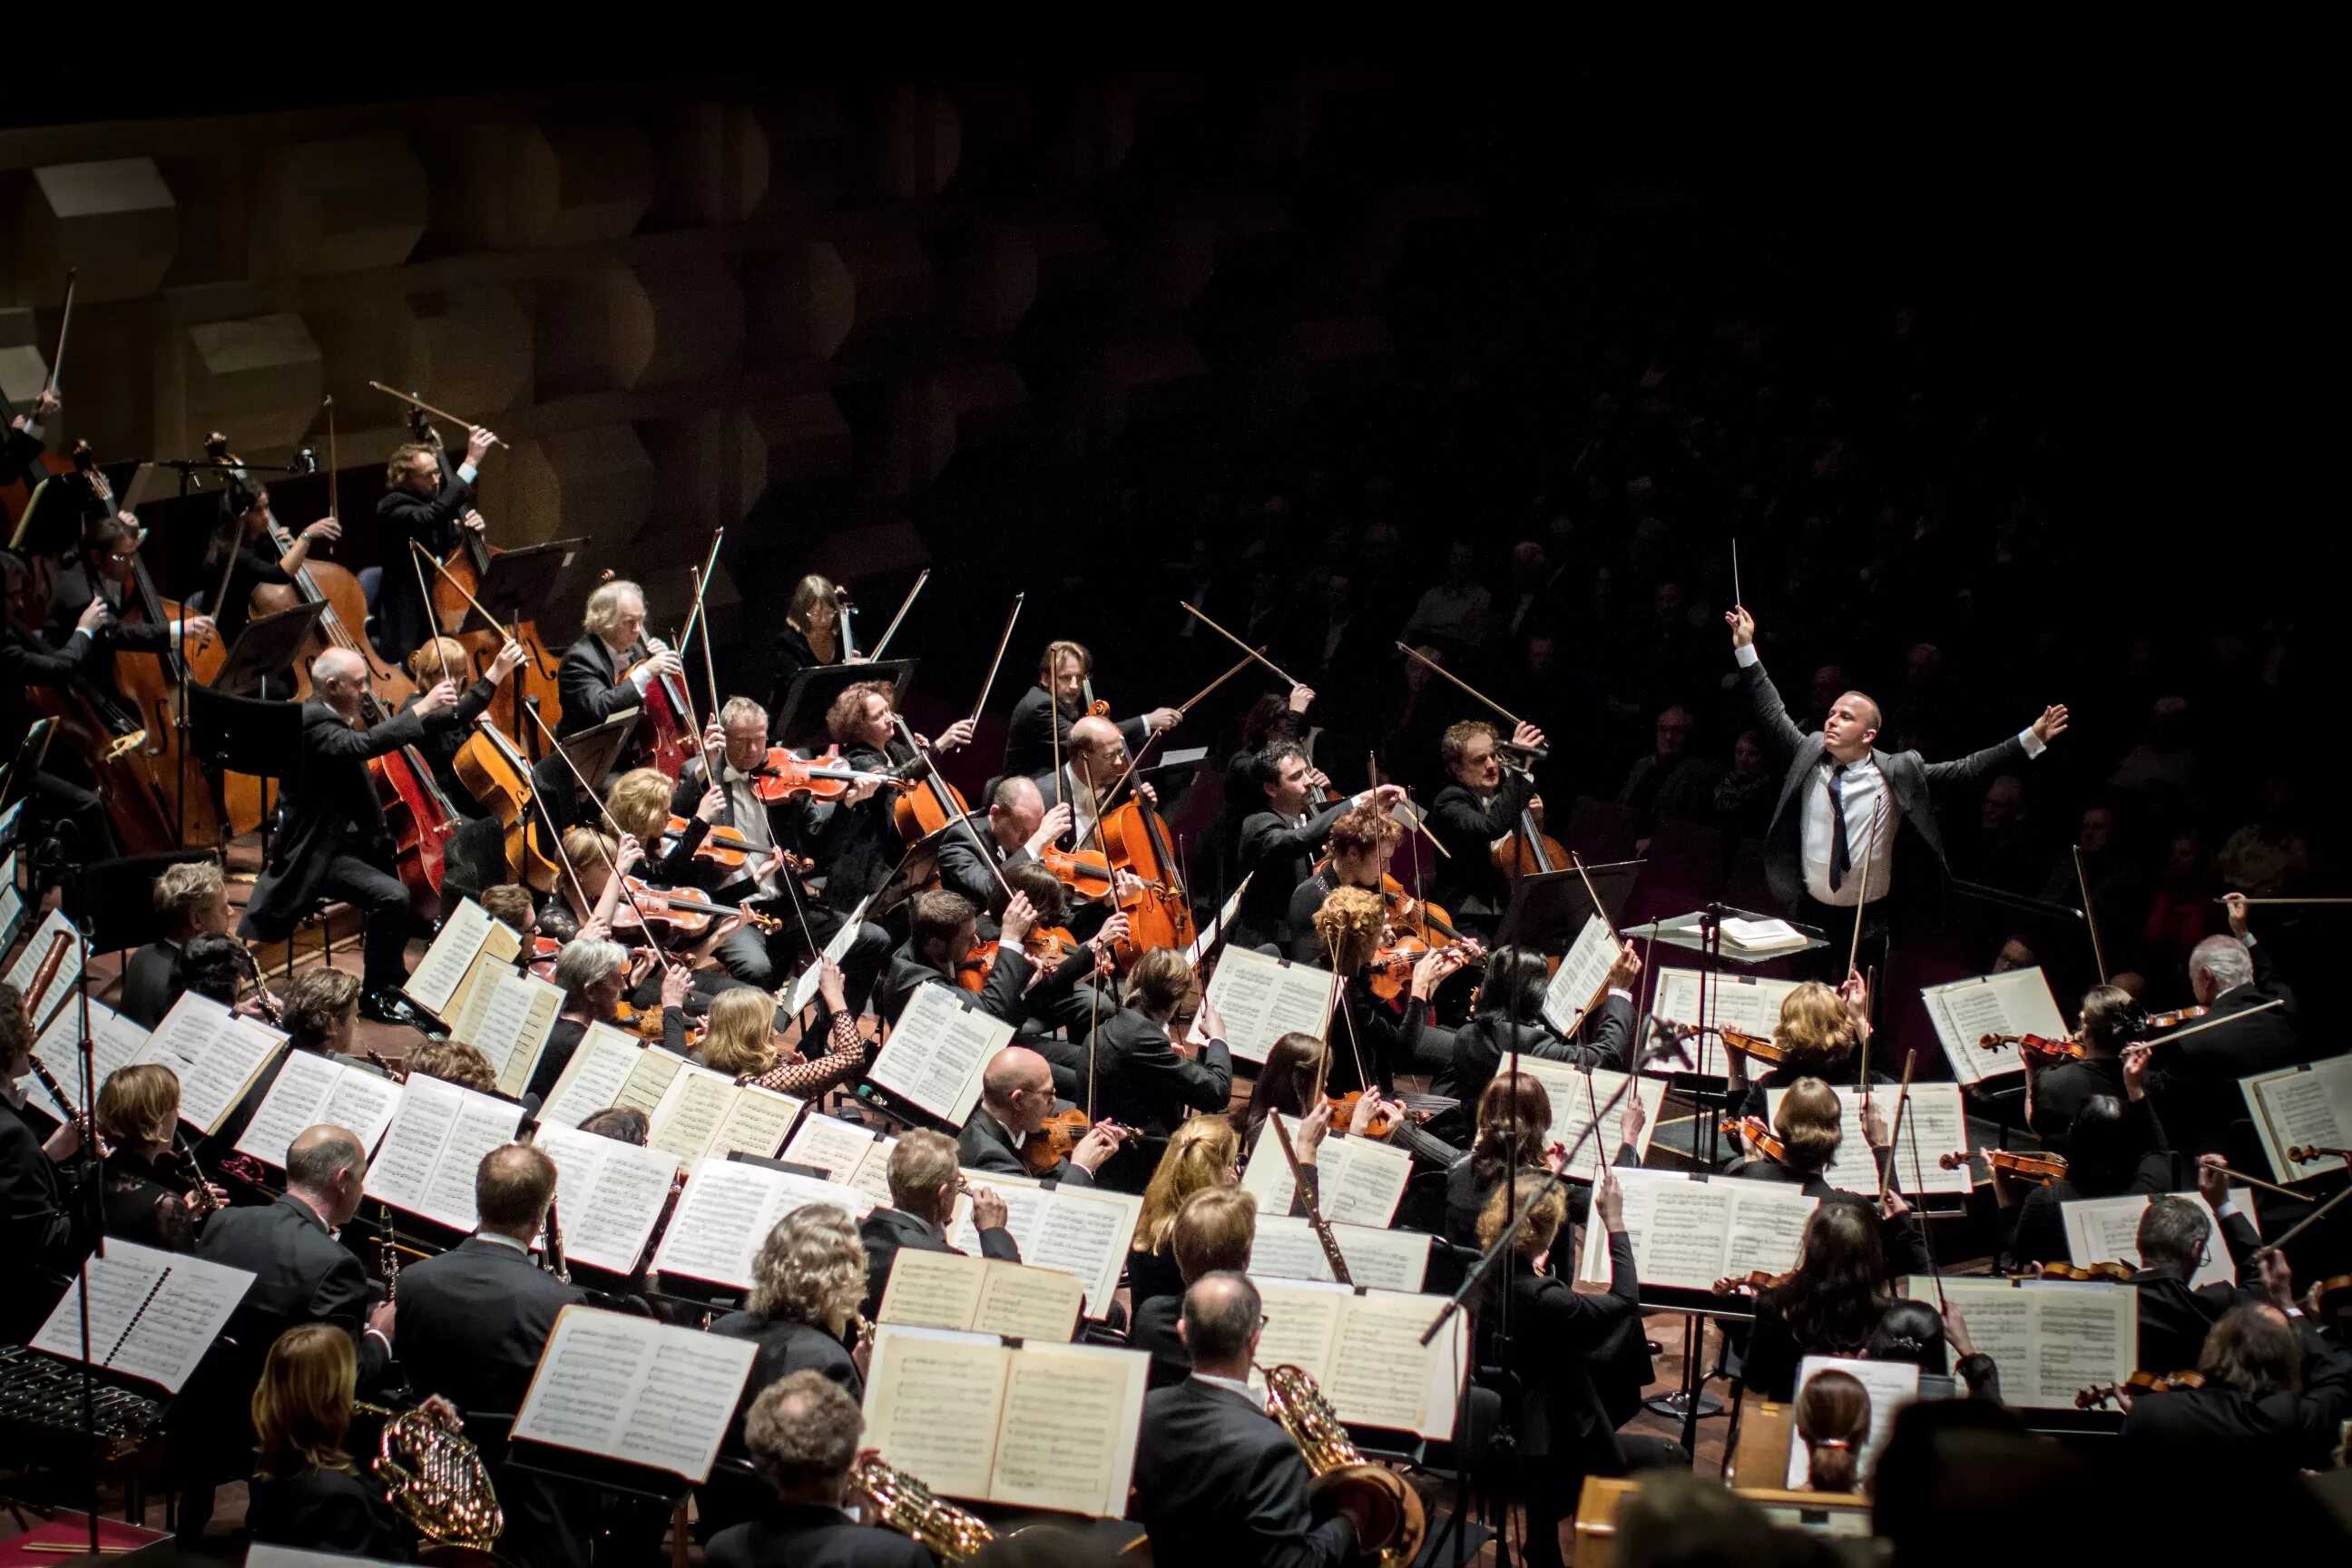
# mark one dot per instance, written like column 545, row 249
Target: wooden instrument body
column 535, row 677
column 99, row 729
column 665, row 735
column 419, row 818
column 1159, row 914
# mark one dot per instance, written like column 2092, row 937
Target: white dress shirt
column 1248, row 1391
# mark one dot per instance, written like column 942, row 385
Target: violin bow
column 693, row 616
column 1417, row 658
column 2090, row 921
column 1347, row 1016
column 57, row 362
column 1010, row 619
column 1243, row 663
column 1280, row 673
column 2212, row 1024
column 1862, row 1076
column 1895, row 1135
column 710, row 669
column 1598, row 907
column 2306, row 1222
column 1411, row 811
column 2279, row 903
column 503, row 629
column 1927, row 1231
column 874, row 654
column 618, row 834
column 334, row 503
column 417, row 403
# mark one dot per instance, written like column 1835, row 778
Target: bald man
column 333, row 842
column 1091, row 768
column 1016, row 1095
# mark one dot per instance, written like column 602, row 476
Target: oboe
column 555, row 1263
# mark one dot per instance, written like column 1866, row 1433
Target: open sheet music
column 2107, row 1230
column 2309, row 1106
column 1891, row 1385
column 983, row 1295
column 115, row 1041
column 1044, row 1425
column 216, row 1054
column 804, row 987
column 435, row 1142
column 608, row 1196
column 2051, row 1338
column 1363, row 1348
column 1360, row 1180
column 455, row 947
column 628, row 1388
column 152, row 1315
column 853, row 1155
column 312, row 1090
column 1690, row 1230
column 500, row 950
column 608, row 1069
column 1933, row 1124
column 937, row 1052
column 1084, row 1231
column 1576, row 985
column 508, row 1016
column 1285, row 1248
column 704, row 1112
column 726, row 1211
column 1575, row 1095
column 1261, row 999
column 1965, row 1011
column 29, row 961
column 1747, row 1002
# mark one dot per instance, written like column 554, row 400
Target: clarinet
column 390, row 1240
column 49, row 1083
column 555, row 1264
column 184, row 1163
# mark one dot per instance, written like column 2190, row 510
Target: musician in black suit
column 1478, row 810
column 1280, row 843
column 591, row 679
column 2195, row 1082
column 192, row 900
column 1016, row 1095
column 2276, row 1390
column 1811, row 1128
column 1015, row 829
column 425, row 505
column 1217, row 1480
column 2054, row 1095
column 924, row 1183
column 803, row 1434
column 43, row 1233
column 21, row 444
column 332, row 841
column 1838, row 784
column 2174, row 1315
column 1510, row 1020
column 1141, row 1079
column 857, row 838
column 942, row 932
column 103, row 571
column 27, row 661
column 1041, row 720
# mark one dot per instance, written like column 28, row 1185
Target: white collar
column 1249, row 1391
column 506, row 1241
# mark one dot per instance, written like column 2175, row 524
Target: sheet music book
column 508, row 1016
column 608, row 1068
column 1084, row 1231
column 1261, row 999
column 2053, row 1338
column 1963, row 1010
column 216, row 1054
column 726, row 1211
column 853, row 1155
column 608, row 1196
column 152, row 1315
column 1364, row 1349
column 1933, row 1124
column 983, row 1295
column 1747, row 1002
column 804, row 987
column 1576, row 1094
column 2107, row 1230
column 455, row 947
column 436, row 1141
column 707, row 1113
column 632, row 1389
column 500, row 949
column 1043, row 1425
column 1577, row 984
column 937, row 1051
column 1767, row 935
column 2307, row 1105
column 1689, row 1230
column 12, row 902
column 28, row 959
column 1285, row 1248
column 310, row 1090
column 115, row 1042
column 1360, row 1180
column 1892, row 1385
column 1206, row 937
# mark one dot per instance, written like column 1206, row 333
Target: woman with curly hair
column 806, row 1284
column 1368, row 1037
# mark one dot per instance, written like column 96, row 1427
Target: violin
column 1759, row 1046
column 2137, row 1383
column 2035, row 1048
column 1343, row 1112
column 1757, row 1132
column 1752, row 1282
column 2039, row 1169
column 1045, row 1150
column 721, row 845
column 1431, row 918
column 1085, row 872
column 2168, row 1020
column 646, row 1023
column 1390, row 969
column 785, row 776
column 682, row 911
column 2105, row 1273
column 1046, row 947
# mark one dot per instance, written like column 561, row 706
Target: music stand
column 51, row 522
column 518, row 584
column 31, row 752
column 114, row 903
column 236, row 734
column 799, row 719
column 595, row 750
column 267, row 645
column 12, row 825
column 1548, row 908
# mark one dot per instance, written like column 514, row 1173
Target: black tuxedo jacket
column 41, row 1236
column 589, row 686
column 19, row 450
column 147, row 991
column 1219, row 1482
column 1276, row 855
column 796, row 1535
column 1141, row 1081
column 27, row 661
column 70, row 596
column 331, row 806
column 403, row 621
column 1910, row 782
column 2289, row 1431
column 1037, row 727
column 2195, row 1083
column 999, row 995
column 2174, row 1319
column 963, row 870
column 473, row 1321
column 986, row 1144
column 885, row 1231
column 1482, row 1044
column 1467, row 824
column 785, row 1347
column 300, row 1275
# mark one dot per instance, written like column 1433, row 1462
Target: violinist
column 147, row 1198
column 436, row 660
column 811, row 635
column 246, row 522
column 27, row 661
column 333, row 842
column 1351, row 923
column 594, row 679
column 1016, row 1095
column 1829, row 1304
column 2275, row 1388
column 1514, row 1134
column 1361, row 842
column 22, row 448
column 1072, row 989
column 1043, row 719
column 1279, row 844
column 423, row 504
column 511, row 905
column 1510, row 1018
column 857, row 838
column 1810, row 1127
column 1141, row 1080
column 942, row 932
column 2114, row 1147
column 2056, row 1092
column 639, row 802
column 1291, row 1082
column 1818, row 1032
column 740, row 1041
column 2175, row 1315
column 1475, row 813
column 1016, row 829
column 43, row 1234
column 594, row 976
column 2196, row 1084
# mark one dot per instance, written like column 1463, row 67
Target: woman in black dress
column 148, row 1198
column 307, row 1494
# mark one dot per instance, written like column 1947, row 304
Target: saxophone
column 1397, row 1519
column 912, row 1509
column 434, row 1478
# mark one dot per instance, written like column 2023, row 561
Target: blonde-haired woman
column 1204, row 1152
column 741, row 1040
column 1819, row 1031
column 306, row 1492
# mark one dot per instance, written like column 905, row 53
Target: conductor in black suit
column 1016, row 1095
column 591, row 679
column 1838, row 785
column 1217, row 1478
column 333, row 841
column 2174, row 1315
column 924, row 1183
column 803, row 1433
column 472, row 1324
column 2197, row 1081
column 424, row 504
column 1041, row 720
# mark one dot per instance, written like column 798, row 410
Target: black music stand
column 518, row 584
column 595, row 750
column 115, row 904
column 267, row 645
column 244, row 735
column 51, row 522
column 1549, row 907
column 799, row 719
column 14, row 775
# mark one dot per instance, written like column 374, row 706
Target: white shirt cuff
column 641, row 678
column 467, row 471
column 381, row 1337
column 2225, row 1208
column 2034, row 744
column 1619, row 990
column 1746, row 654
column 173, row 630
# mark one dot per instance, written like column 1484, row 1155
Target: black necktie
column 1841, row 855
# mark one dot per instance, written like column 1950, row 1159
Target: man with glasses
column 109, row 546
column 2174, row 1238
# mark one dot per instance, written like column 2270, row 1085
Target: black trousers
column 1836, row 922
column 382, row 903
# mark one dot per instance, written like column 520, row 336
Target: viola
column 785, row 776
column 1390, row 969
column 646, row 1023
column 2178, row 1015
column 2035, row 1048
column 1757, row 1132
column 2039, row 1169
column 2137, row 1383
column 1085, row 872
column 1753, row 1282
column 1043, row 1152
column 1432, row 920
column 2109, row 1273
column 1756, row 1046
column 720, row 846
